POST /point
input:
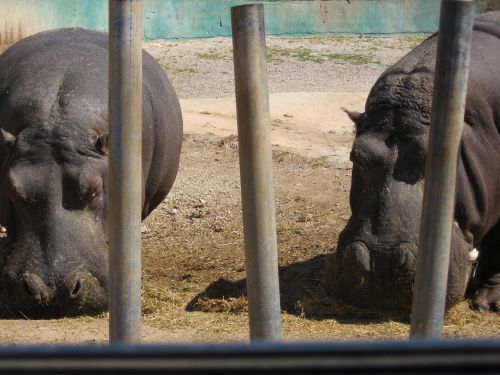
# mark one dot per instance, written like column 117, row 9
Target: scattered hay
column 462, row 321
column 229, row 142
column 227, row 306
column 322, row 307
column 156, row 299
column 194, row 277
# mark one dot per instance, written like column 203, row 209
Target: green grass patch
column 185, row 70
column 352, row 58
column 301, row 54
column 277, row 54
column 212, row 56
column 411, row 41
column 169, row 68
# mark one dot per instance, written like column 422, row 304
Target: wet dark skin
column 377, row 250
column 54, row 152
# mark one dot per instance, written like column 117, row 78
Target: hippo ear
column 8, row 139
column 353, row 115
column 101, row 143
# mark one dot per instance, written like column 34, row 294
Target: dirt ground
column 193, row 256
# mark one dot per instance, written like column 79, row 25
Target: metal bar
column 448, row 106
column 257, row 185
column 414, row 357
column 125, row 169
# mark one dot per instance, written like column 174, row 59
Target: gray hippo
column 54, row 163
column 376, row 252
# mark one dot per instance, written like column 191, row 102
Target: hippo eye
column 97, row 191
column 92, row 189
column 383, row 122
column 14, row 188
column 402, row 136
column 101, row 144
column 14, row 192
column 92, row 193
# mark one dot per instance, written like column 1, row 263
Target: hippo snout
column 78, row 293
column 375, row 274
column 358, row 258
column 404, row 258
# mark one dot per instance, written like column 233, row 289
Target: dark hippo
column 54, row 126
column 376, row 252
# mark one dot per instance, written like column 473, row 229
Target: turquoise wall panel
column 166, row 19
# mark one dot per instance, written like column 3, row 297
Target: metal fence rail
column 448, row 107
column 256, row 171
column 415, row 357
column 125, row 169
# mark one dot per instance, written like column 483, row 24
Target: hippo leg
column 487, row 296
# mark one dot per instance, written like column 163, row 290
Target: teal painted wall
column 166, row 19
column 195, row 18
column 487, row 5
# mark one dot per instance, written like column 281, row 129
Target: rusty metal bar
column 125, row 169
column 256, row 171
column 448, row 106
column 415, row 357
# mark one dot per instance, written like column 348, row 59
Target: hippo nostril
column 76, row 289
column 404, row 258
column 74, row 285
column 32, row 290
column 35, row 287
column 358, row 253
column 399, row 259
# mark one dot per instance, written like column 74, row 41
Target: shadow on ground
column 304, row 290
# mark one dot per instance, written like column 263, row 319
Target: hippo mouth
column 376, row 277
column 28, row 295
column 79, row 293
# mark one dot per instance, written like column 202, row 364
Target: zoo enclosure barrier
column 416, row 357
column 256, row 172
column 125, row 169
column 447, row 119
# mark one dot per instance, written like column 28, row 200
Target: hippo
column 54, row 166
column 375, row 261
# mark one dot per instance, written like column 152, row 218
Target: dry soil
column 193, row 257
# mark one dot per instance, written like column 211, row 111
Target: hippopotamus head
column 54, row 207
column 54, row 167
column 377, row 249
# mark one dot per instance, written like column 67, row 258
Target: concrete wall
column 206, row 18
column 195, row 18
column 487, row 5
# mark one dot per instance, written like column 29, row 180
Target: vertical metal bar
column 448, row 106
column 125, row 169
column 257, row 185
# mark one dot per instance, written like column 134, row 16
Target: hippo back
column 407, row 87
column 377, row 250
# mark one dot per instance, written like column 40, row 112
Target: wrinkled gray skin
column 53, row 152
column 376, row 251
